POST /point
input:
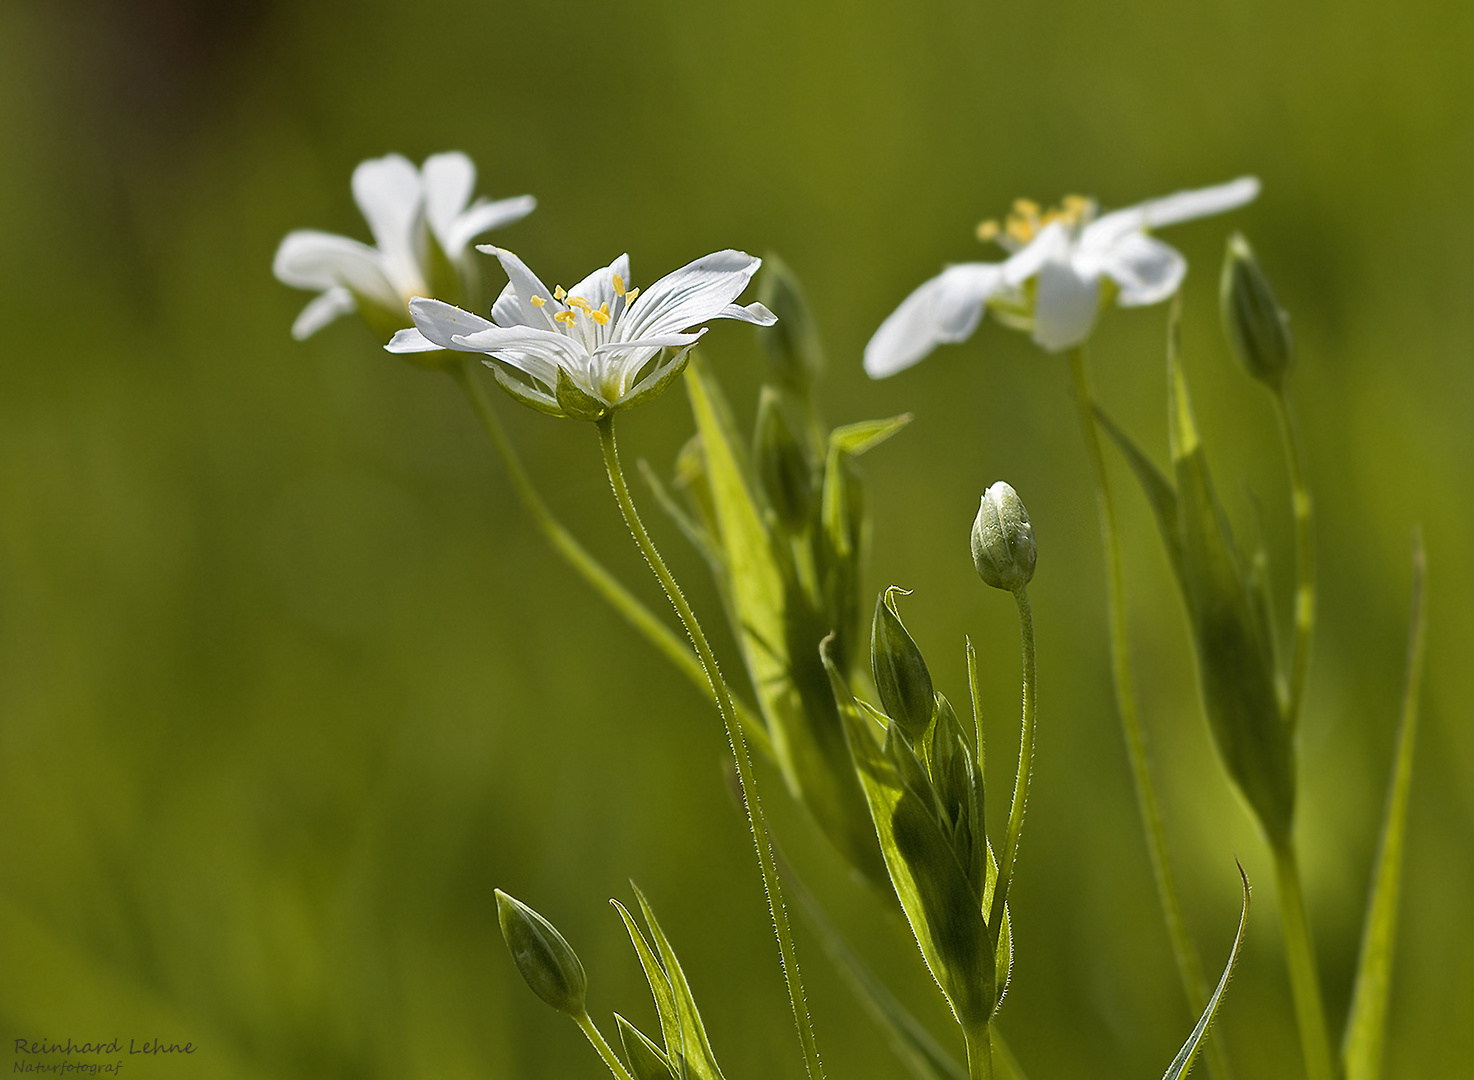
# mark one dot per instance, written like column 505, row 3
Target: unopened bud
column 901, row 676
column 782, row 466
column 792, row 343
column 1003, row 548
column 543, row 957
column 1257, row 327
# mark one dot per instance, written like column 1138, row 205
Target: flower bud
column 1257, row 327
column 543, row 957
column 1003, row 548
column 782, row 466
column 901, row 676
column 792, row 343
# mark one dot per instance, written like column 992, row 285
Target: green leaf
column 1158, row 490
column 778, row 626
column 646, row 1060
column 855, row 439
column 940, row 904
column 1182, row 1064
column 1366, row 1027
column 1236, row 670
column 694, row 1048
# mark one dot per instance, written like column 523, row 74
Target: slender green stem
column 726, row 706
column 586, row 1025
column 604, row 583
column 1310, row 1013
column 979, row 1052
column 1025, row 761
column 1304, row 553
column 1189, row 967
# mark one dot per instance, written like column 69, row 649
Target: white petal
column 507, row 311
column 441, row 323
column 750, row 313
column 664, row 341
column 448, row 182
column 387, row 190
column 538, row 352
column 1147, row 270
column 411, row 341
column 698, row 291
column 1052, row 244
column 1171, row 209
column 323, row 309
column 483, row 217
column 943, row 310
column 308, row 259
column 527, row 286
column 1065, row 305
column 598, row 287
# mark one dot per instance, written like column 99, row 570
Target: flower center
column 577, row 305
column 1026, row 220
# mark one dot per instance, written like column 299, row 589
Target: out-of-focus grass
column 288, row 684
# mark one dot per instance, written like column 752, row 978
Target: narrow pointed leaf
column 1366, row 1028
column 1158, row 490
column 1182, row 1064
column 646, row 1060
column 660, row 988
column 695, row 1048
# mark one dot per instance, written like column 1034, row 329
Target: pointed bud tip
column 1258, row 328
column 543, row 957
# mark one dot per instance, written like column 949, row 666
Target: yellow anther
column 1075, row 204
column 558, row 292
column 618, row 285
column 630, row 296
column 580, row 303
column 1019, row 229
column 565, row 317
column 1026, row 208
column 988, row 230
column 539, row 301
column 601, row 316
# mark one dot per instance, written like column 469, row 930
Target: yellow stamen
column 601, row 316
column 1075, row 205
column 618, row 285
column 565, row 317
column 630, row 296
column 988, row 230
column 539, row 301
column 558, row 292
column 580, row 303
column 1026, row 208
column 1019, row 229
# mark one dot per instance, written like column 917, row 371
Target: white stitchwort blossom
column 407, row 210
column 597, row 347
column 1064, row 266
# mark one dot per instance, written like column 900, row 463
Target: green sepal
column 778, row 625
column 1258, row 329
column 668, row 373
column 1236, row 668
column 1182, row 1064
column 901, row 675
column 523, row 394
column 575, row 401
column 783, row 467
column 940, row 904
column 646, row 1060
column 686, row 1044
column 550, row 967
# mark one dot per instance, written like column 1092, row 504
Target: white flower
column 1052, row 283
column 600, row 346
column 406, row 208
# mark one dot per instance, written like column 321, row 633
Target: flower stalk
column 1304, row 553
column 756, row 822
column 590, row 569
column 1310, row 1012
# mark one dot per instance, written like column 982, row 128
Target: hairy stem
column 1189, row 967
column 727, row 708
column 586, row 1025
column 666, row 640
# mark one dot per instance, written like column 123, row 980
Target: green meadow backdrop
column 289, row 682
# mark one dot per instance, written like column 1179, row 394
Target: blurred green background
column 288, row 682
